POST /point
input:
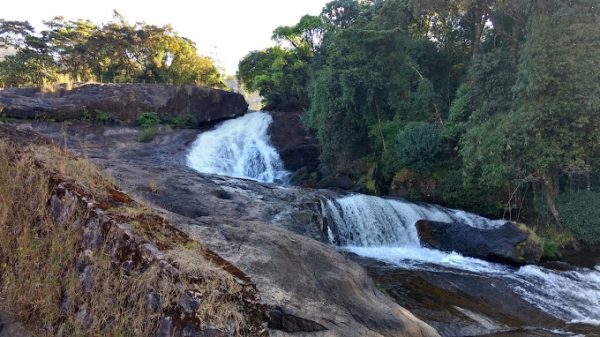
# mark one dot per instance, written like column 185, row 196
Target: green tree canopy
column 114, row 52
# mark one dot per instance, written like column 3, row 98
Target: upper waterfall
column 239, row 148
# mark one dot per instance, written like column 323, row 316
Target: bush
column 552, row 250
column 147, row 134
column 420, row 147
column 103, row 117
column 187, row 121
column 580, row 211
column 148, row 120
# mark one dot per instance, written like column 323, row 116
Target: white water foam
column 384, row 229
column 239, row 148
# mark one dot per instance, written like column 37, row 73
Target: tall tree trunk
column 550, row 182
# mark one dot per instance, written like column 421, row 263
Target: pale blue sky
column 223, row 29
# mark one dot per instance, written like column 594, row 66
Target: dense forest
column 115, row 52
column 488, row 105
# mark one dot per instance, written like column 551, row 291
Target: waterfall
column 239, row 148
column 384, row 229
column 366, row 221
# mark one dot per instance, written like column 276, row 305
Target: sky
column 225, row 30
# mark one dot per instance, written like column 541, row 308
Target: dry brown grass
column 39, row 276
column 216, row 308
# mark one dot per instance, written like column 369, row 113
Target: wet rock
column 280, row 320
column 461, row 304
column 510, row 243
column 341, row 181
column 297, row 147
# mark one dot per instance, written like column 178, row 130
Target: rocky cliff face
column 124, row 102
column 297, row 147
column 80, row 257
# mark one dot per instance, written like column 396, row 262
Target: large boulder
column 297, row 147
column 124, row 102
column 510, row 243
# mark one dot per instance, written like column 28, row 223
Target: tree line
column 115, row 52
column 489, row 105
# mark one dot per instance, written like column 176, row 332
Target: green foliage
column 279, row 75
column 580, row 211
column 27, row 68
column 114, row 52
column 103, row 117
column 551, row 250
column 420, row 147
column 148, row 120
column 186, row 121
column 146, row 135
column 429, row 98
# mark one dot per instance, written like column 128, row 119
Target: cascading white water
column 239, row 148
column 384, row 229
column 371, row 221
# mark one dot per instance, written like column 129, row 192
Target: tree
column 67, row 42
column 307, row 33
column 114, row 52
column 15, row 34
column 279, row 75
column 558, row 96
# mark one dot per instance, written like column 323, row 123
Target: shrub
column 187, row 121
column 420, row 147
column 580, row 211
column 103, row 117
column 148, row 120
column 552, row 250
column 146, row 135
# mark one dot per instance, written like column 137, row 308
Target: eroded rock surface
column 510, row 243
column 273, row 234
column 123, row 102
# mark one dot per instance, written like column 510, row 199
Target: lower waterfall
column 384, row 229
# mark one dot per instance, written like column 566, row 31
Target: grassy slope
column 45, row 260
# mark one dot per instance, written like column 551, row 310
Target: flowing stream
column 384, row 229
column 239, row 148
